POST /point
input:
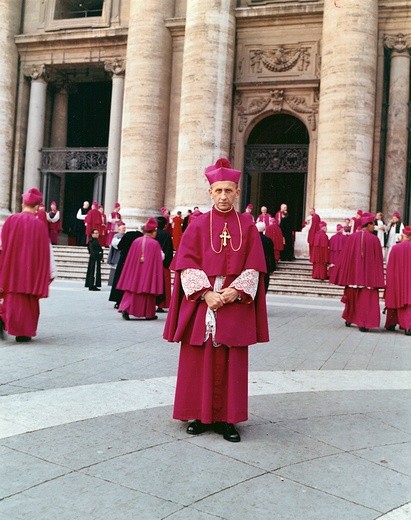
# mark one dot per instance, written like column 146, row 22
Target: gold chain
column 225, row 227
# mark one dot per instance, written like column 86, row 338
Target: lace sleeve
column 193, row 280
column 247, row 281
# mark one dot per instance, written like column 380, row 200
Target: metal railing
column 73, row 160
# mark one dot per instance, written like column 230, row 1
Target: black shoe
column 407, row 332
column 153, row 318
column 347, row 324
column 23, row 339
column 391, row 328
column 116, row 305
column 1, row 329
column 96, row 289
column 125, row 316
column 91, row 289
column 159, row 309
column 196, row 427
column 363, row 329
column 228, row 431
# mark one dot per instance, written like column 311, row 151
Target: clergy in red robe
column 337, row 242
column 141, row 279
column 276, row 235
column 360, row 270
column 218, row 308
column 41, row 214
column 113, row 224
column 264, row 216
column 94, row 220
column 54, row 223
column 320, row 253
column 398, row 280
column 25, row 271
column 314, row 227
column 177, row 230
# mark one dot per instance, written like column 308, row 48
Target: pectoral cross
column 225, row 235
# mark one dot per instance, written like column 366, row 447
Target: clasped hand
column 215, row 300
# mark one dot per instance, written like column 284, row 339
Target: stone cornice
column 177, row 26
column 258, row 16
column 70, row 38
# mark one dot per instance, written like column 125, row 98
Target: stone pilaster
column 206, row 97
column 116, row 68
column 395, row 172
column 35, row 125
column 10, row 14
column 59, row 118
column 346, row 112
column 146, row 108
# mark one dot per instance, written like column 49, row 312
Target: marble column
column 10, row 14
column 35, row 126
column 395, row 172
column 146, row 109
column 206, row 97
column 116, row 69
column 59, row 118
column 346, row 111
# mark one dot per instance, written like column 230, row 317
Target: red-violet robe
column 314, row 227
column 264, row 218
column 112, row 227
column 94, row 220
column 24, row 272
column 337, row 242
column 177, row 231
column 360, row 270
column 141, row 278
column 276, row 235
column 320, row 255
column 42, row 216
column 398, row 285
column 212, row 380
column 54, row 227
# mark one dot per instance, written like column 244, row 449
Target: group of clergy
column 355, row 261
column 89, row 218
column 51, row 219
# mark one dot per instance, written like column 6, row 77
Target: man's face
column 224, row 194
column 94, row 234
column 122, row 229
column 283, row 207
column 263, row 210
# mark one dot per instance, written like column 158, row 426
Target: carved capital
column 116, row 67
column 37, row 72
column 399, row 43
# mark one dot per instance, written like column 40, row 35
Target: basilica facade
column 129, row 101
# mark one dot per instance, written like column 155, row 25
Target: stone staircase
column 72, row 263
column 292, row 278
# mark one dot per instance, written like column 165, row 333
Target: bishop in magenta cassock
column 398, row 280
column 360, row 271
column 337, row 242
column 142, row 276
column 320, row 256
column 218, row 308
column 314, row 227
column 25, row 272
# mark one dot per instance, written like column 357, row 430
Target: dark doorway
column 79, row 187
column 275, row 166
column 89, row 114
column 88, row 126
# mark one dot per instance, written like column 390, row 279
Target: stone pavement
column 86, row 429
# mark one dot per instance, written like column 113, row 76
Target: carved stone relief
column 275, row 100
column 399, row 43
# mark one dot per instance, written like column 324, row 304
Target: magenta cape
column 264, row 218
column 25, row 256
column 337, row 242
column 239, row 323
column 398, row 290
column 314, row 227
column 143, row 277
column 360, row 262
column 320, row 248
column 274, row 232
column 93, row 220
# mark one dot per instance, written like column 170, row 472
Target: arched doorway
column 275, row 166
